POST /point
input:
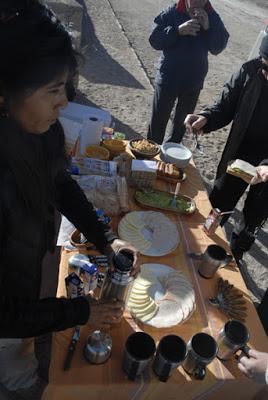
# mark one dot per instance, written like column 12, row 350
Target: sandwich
column 242, row 169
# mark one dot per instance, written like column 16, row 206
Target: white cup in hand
column 191, row 27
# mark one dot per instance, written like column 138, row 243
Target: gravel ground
column 119, row 71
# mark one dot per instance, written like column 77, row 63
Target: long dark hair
column 35, row 49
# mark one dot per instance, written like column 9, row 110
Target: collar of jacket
column 181, row 7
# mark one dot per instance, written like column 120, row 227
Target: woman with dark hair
column 36, row 69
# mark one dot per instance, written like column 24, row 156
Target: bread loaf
column 167, row 170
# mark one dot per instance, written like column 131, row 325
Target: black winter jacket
column 236, row 103
column 22, row 249
column 184, row 60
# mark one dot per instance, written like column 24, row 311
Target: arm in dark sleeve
column 223, row 111
column 164, row 34
column 217, row 35
column 73, row 204
column 27, row 318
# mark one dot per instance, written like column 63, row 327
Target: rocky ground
column 118, row 76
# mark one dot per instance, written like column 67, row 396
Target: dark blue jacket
column 184, row 59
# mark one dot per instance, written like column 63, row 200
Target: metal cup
column 213, row 258
column 138, row 352
column 202, row 349
column 233, row 337
column 171, row 352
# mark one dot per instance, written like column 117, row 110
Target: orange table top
column 85, row 381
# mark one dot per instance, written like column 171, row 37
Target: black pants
column 263, row 311
column 228, row 190
column 163, row 102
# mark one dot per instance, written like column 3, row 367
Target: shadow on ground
column 119, row 126
column 112, row 72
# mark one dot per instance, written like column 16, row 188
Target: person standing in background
column 185, row 32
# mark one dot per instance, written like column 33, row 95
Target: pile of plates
column 152, row 233
column 165, row 293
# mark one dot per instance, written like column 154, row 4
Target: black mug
column 171, row 352
column 233, row 336
column 202, row 349
column 138, row 352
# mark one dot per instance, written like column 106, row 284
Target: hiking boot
column 236, row 250
column 241, row 243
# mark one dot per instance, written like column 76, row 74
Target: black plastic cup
column 233, row 336
column 138, row 352
column 202, row 349
column 171, row 352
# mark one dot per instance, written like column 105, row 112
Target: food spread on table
column 152, row 233
column 161, row 199
column 161, row 296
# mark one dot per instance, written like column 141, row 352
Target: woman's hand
column 104, row 313
column 255, row 366
column 262, row 175
column 202, row 17
column 118, row 245
column 191, row 27
column 195, row 123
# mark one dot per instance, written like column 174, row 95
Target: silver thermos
column 118, row 282
column 98, row 347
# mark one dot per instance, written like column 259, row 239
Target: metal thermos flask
column 118, row 282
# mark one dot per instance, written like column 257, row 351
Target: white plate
column 170, row 312
column 157, row 238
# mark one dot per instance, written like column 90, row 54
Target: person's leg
column 256, row 206
column 226, row 192
column 185, row 105
column 255, row 213
column 164, row 98
column 263, row 311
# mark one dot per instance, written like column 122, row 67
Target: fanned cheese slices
column 152, row 233
column 161, row 296
column 140, row 304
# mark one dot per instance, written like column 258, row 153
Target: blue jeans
column 163, row 102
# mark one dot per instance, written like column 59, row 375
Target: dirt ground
column 119, row 71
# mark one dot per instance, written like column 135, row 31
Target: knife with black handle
column 71, row 349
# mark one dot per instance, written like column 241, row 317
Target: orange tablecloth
column 84, row 381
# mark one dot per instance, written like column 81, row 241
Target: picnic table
column 100, row 382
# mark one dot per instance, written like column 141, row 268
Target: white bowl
column 176, row 153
